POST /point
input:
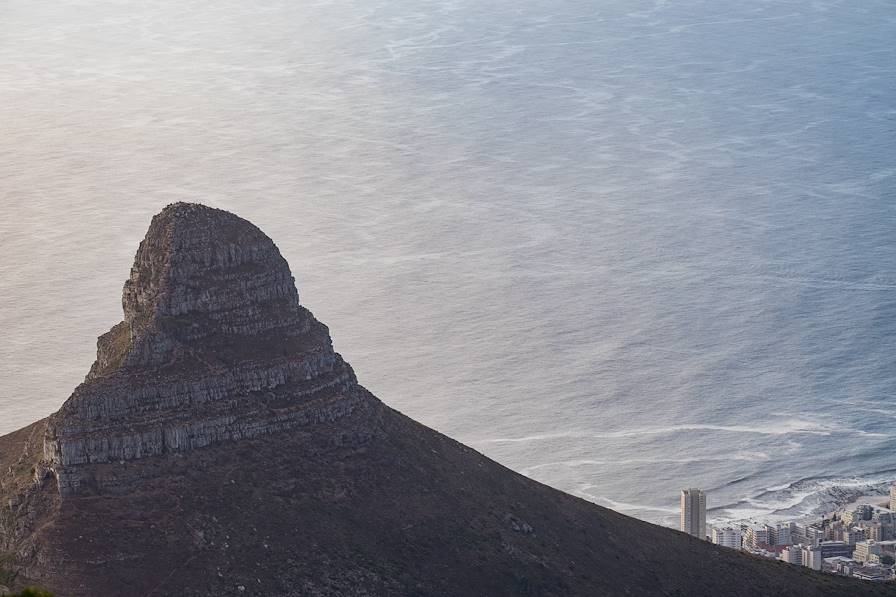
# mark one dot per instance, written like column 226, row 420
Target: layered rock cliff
column 214, row 347
column 219, row 446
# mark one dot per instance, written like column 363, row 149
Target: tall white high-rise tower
column 693, row 512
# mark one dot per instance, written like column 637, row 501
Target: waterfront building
column 861, row 512
column 893, row 498
column 808, row 534
column 693, row 512
column 727, row 537
column 781, row 534
column 757, row 536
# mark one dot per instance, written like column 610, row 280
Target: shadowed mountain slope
column 219, row 446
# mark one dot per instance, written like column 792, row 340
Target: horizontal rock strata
column 214, row 347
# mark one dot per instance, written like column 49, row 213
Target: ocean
column 622, row 247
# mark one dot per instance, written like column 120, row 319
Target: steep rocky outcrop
column 214, row 347
column 219, row 446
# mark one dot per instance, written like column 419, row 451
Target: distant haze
column 623, row 247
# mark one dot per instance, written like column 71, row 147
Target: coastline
column 801, row 501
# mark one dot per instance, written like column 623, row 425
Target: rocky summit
column 214, row 347
column 219, row 446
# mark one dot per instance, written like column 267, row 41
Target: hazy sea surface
column 621, row 246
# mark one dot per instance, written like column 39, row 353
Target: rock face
column 219, row 446
column 214, row 347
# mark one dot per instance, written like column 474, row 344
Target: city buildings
column 727, row 537
column 893, row 498
column 808, row 534
column 757, row 536
column 762, row 536
column 882, row 526
column 859, row 541
column 802, row 555
column 780, row 534
column 862, row 512
column 872, row 573
column 792, row 554
column 873, row 530
column 812, row 557
column 693, row 512
column 839, row 565
column 854, row 535
column 864, row 550
column 829, row 549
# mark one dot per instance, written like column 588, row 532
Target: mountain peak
column 203, row 280
column 214, row 346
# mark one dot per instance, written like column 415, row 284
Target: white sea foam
column 745, row 456
column 582, row 491
column 787, row 428
column 809, row 497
